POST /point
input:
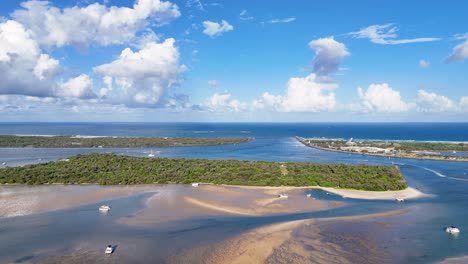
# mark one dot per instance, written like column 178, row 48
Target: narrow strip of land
column 12, row 141
column 391, row 149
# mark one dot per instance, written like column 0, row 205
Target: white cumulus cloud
column 222, row 102
column 143, row 76
column 424, row 64
column 432, row 102
column 213, row 29
column 309, row 95
column 386, row 34
column 464, row 103
column 328, row 55
column 213, row 83
column 94, row 23
column 460, row 51
column 268, row 102
column 382, row 98
column 78, row 87
column 24, row 69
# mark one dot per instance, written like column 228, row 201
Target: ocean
column 417, row 237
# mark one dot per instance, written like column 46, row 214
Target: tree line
column 111, row 142
column 116, row 169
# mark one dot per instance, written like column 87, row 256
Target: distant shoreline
column 79, row 141
column 422, row 157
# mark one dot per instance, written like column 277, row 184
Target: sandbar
column 408, row 193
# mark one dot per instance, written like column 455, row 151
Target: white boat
column 454, row 152
column 109, row 249
column 399, row 199
column 194, row 184
column 283, row 195
column 151, row 155
column 3, row 163
column 104, row 208
column 309, row 195
column 452, row 230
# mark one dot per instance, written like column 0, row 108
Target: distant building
column 350, row 142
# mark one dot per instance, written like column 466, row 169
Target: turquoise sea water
column 417, row 237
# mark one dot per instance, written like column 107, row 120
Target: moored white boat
column 195, row 184
column 309, row 195
column 452, row 230
column 151, row 155
column 104, row 208
column 109, row 249
column 399, row 199
column 283, row 195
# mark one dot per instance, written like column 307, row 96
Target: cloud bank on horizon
column 154, row 60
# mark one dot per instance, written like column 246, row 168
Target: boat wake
column 458, row 179
column 435, row 172
column 440, row 174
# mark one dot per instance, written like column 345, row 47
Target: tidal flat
column 179, row 224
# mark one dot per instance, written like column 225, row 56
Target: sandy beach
column 406, row 194
column 220, row 199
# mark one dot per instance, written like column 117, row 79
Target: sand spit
column 455, row 260
column 182, row 202
column 219, row 208
column 408, row 193
column 367, row 216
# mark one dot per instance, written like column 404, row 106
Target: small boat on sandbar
column 283, row 196
column 399, row 200
column 309, row 195
column 104, row 208
column 109, row 249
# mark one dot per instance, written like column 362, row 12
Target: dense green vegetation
column 113, row 169
column 110, row 142
column 425, row 146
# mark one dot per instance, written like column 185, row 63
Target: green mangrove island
column 398, row 149
column 115, row 169
column 11, row 141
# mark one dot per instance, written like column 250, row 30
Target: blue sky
column 200, row 60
